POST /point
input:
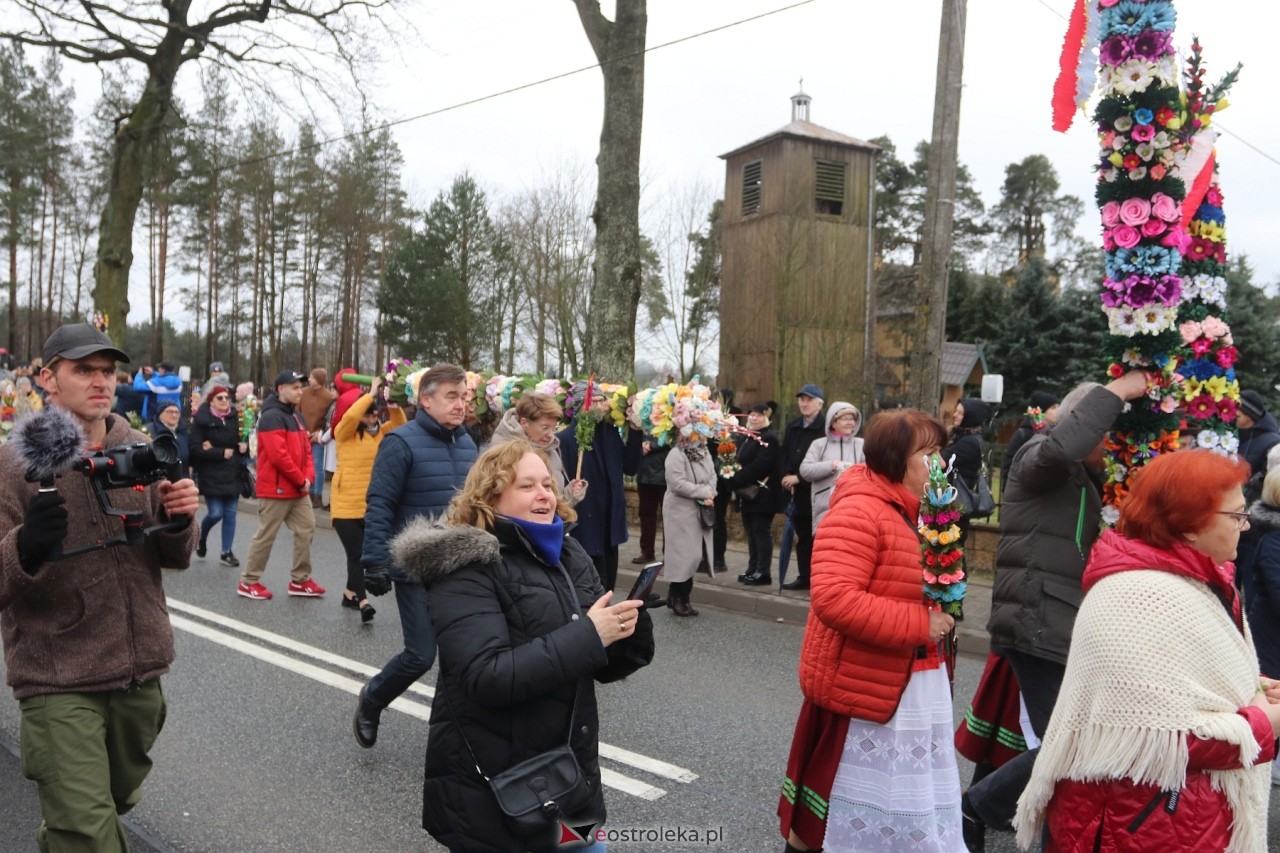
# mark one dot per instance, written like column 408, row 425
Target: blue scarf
column 546, row 539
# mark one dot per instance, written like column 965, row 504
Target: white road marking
column 404, row 705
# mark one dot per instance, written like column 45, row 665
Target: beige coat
column 682, row 533
column 509, row 429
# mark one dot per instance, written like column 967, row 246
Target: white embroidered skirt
column 897, row 787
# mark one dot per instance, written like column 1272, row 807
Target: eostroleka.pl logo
column 577, row 836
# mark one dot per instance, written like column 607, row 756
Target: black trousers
column 650, row 502
column 607, row 567
column 803, row 526
column 995, row 798
column 351, row 534
column 720, row 533
column 759, row 530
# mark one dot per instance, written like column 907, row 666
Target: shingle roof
column 957, row 362
column 807, row 130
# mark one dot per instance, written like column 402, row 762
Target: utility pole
column 939, row 212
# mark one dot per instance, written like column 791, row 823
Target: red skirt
column 991, row 732
column 816, row 747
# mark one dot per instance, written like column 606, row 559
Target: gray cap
column 78, row 340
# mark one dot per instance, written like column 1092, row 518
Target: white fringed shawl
column 1154, row 657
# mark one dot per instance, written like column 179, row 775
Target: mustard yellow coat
column 355, row 458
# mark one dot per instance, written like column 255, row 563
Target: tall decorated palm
column 1155, row 145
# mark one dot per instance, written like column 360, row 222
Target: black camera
column 137, row 463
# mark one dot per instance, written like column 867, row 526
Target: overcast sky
column 870, row 68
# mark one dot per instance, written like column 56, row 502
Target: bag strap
column 573, row 711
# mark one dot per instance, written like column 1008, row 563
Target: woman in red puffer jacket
column 870, row 667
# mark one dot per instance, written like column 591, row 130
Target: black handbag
column 748, row 492
column 539, row 792
column 248, row 485
column 707, row 516
column 979, row 503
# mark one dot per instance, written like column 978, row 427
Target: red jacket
column 868, row 612
column 1107, row 815
column 284, row 452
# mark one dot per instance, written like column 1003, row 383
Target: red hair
column 1178, row 493
column 894, row 435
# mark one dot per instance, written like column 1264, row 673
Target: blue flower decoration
column 1210, row 213
column 1129, row 18
column 1143, row 116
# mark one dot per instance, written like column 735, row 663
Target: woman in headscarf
column 688, row 517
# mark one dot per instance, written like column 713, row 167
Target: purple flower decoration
column 1152, row 44
column 1115, row 50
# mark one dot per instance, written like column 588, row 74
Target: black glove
column 43, row 529
column 377, row 580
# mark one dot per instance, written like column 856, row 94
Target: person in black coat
column 651, row 486
column 966, row 447
column 169, row 421
column 218, row 456
column 800, row 433
column 1034, row 423
column 759, row 461
column 602, row 512
column 524, row 628
column 1258, row 434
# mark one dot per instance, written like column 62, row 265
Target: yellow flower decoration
column 1191, row 389
column 1217, row 386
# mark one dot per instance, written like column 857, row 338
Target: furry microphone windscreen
column 49, row 442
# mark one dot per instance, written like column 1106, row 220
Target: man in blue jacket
column 419, row 467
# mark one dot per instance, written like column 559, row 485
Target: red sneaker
column 253, row 590
column 307, row 588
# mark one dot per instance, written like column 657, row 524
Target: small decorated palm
column 941, row 553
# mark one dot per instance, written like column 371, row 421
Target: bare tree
column 615, row 292
column 161, row 37
column 679, row 329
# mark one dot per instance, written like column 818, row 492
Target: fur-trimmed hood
column 1264, row 515
column 428, row 548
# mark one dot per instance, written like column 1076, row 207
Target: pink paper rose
column 1176, row 238
column 1153, row 227
column 1164, row 207
column 1135, row 211
column 1111, row 214
column 1126, row 236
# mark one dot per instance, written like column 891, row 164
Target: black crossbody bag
column 536, row 794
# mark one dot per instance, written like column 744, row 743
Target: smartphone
column 644, row 582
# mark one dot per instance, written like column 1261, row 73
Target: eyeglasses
column 1242, row 518
column 544, row 428
column 221, row 397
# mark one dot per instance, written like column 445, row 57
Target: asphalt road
column 257, row 754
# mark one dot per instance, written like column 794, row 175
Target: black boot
column 759, row 579
column 801, row 582
column 365, row 724
column 975, row 831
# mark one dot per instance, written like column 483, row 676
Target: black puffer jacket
column 1048, row 524
column 216, row 475
column 514, row 650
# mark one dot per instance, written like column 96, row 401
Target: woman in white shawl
column 830, row 457
column 1162, row 731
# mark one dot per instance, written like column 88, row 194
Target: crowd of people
column 501, row 546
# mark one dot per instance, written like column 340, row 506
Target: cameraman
column 86, row 638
